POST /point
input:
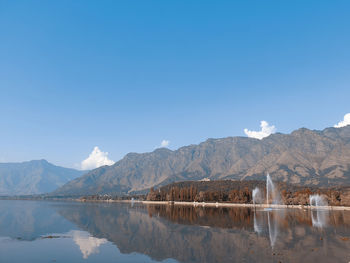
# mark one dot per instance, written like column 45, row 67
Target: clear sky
column 125, row 75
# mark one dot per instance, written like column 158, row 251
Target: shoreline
column 217, row 204
column 204, row 204
column 195, row 204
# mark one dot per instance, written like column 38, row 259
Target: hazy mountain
column 34, row 177
column 307, row 157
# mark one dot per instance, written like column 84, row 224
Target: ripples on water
column 99, row 232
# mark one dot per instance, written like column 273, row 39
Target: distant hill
column 33, row 177
column 304, row 157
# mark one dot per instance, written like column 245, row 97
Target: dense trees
column 241, row 192
column 232, row 192
column 214, row 191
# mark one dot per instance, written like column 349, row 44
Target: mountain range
column 33, row 177
column 303, row 157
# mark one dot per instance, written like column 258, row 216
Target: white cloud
column 265, row 131
column 87, row 244
column 164, row 143
column 96, row 159
column 344, row 122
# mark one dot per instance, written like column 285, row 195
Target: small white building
column 205, row 180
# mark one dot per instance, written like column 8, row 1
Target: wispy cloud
column 96, row 159
column 164, row 143
column 265, row 131
column 344, row 122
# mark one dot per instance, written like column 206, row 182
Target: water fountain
column 257, row 196
column 272, row 194
column 273, row 197
column 267, row 220
column 317, row 200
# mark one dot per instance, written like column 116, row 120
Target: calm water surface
column 33, row 231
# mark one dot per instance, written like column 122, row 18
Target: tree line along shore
column 240, row 192
column 230, row 191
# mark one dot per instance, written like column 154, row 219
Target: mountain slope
column 307, row 157
column 33, row 177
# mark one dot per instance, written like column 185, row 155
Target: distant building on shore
column 205, row 180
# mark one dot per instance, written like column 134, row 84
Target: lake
column 39, row 231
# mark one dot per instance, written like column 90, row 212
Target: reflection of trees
column 147, row 231
column 206, row 216
column 186, row 233
column 196, row 234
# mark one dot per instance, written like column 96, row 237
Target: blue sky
column 125, row 75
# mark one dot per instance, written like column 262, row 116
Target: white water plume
column 257, row 196
column 317, row 200
column 272, row 194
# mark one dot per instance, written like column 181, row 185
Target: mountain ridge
column 309, row 157
column 33, row 177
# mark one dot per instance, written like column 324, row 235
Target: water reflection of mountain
column 191, row 234
column 27, row 220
